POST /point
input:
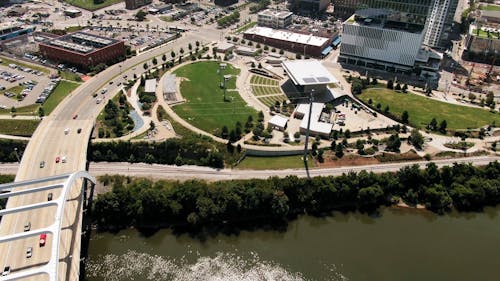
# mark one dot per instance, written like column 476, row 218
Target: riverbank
column 143, row 202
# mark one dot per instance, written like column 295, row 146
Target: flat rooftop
column 384, row 19
column 291, row 37
column 308, row 72
column 316, row 126
column 276, row 13
column 81, row 42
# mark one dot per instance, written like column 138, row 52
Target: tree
column 339, row 151
column 225, row 132
column 172, row 54
column 374, row 81
column 378, row 106
column 356, row 87
column 197, row 43
column 386, row 109
column 390, row 84
column 333, row 146
column 433, row 125
column 190, row 47
column 154, row 61
column 145, row 66
column 472, row 97
column 404, row 117
column 152, row 125
column 181, row 51
column 416, row 139
column 393, row 143
column 347, row 133
column 140, row 15
column 41, row 112
column 442, row 126
column 164, row 58
column 13, row 110
column 398, row 87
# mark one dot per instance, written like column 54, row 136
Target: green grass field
column 67, row 75
column 6, row 61
column 89, row 4
column 271, row 100
column 490, row 7
column 257, row 79
column 205, row 107
column 14, row 127
column 60, row 92
column 246, row 27
column 15, row 90
column 421, row 110
column 277, row 162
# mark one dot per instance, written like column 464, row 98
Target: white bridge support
column 51, row 268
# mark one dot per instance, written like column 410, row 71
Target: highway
column 173, row 172
column 78, row 110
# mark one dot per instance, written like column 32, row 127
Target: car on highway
column 43, row 239
column 66, row 131
column 49, row 196
column 42, row 164
column 110, row 82
column 58, row 159
column 75, row 116
column 104, row 91
column 63, row 159
column 79, row 130
column 6, row 271
column 27, row 226
column 29, row 252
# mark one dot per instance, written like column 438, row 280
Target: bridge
column 70, row 191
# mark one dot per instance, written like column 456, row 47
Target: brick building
column 304, row 44
column 83, row 49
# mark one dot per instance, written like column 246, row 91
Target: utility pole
column 307, row 132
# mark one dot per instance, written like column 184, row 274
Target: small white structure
column 308, row 75
column 316, row 127
column 224, row 47
column 150, row 86
column 169, row 87
column 278, row 122
column 246, row 51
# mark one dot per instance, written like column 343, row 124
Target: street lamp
column 307, row 132
column 17, row 155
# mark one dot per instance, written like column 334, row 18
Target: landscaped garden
column 15, row 127
column 114, row 120
column 422, row 110
column 205, row 107
column 267, row 90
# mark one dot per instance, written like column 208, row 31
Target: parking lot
column 21, row 86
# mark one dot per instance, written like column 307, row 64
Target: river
column 397, row 244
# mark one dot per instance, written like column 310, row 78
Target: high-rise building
column 382, row 39
column 308, row 6
column 134, row 4
column 439, row 22
column 274, row 18
column 436, row 14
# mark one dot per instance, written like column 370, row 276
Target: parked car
column 49, row 196
column 79, row 130
column 6, row 271
column 42, row 164
column 58, row 159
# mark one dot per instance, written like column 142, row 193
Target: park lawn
column 68, row 75
column 24, row 128
column 25, row 110
column 60, row 92
column 421, row 110
column 6, row 61
column 275, row 162
column 490, row 7
column 246, row 27
column 89, row 4
column 205, row 107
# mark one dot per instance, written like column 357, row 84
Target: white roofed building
column 278, row 122
column 317, row 126
column 308, row 75
column 304, row 44
column 150, row 86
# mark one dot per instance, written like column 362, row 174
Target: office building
column 274, row 18
column 304, row 44
column 308, row 6
column 134, row 4
column 439, row 23
column 12, row 31
column 377, row 38
column 83, row 49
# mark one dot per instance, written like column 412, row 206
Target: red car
column 43, row 238
column 58, row 159
column 76, row 116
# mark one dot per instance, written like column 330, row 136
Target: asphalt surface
column 78, row 110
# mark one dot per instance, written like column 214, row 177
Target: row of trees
column 141, row 202
column 190, row 150
column 229, row 19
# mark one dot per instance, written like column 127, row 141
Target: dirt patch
column 348, row 160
